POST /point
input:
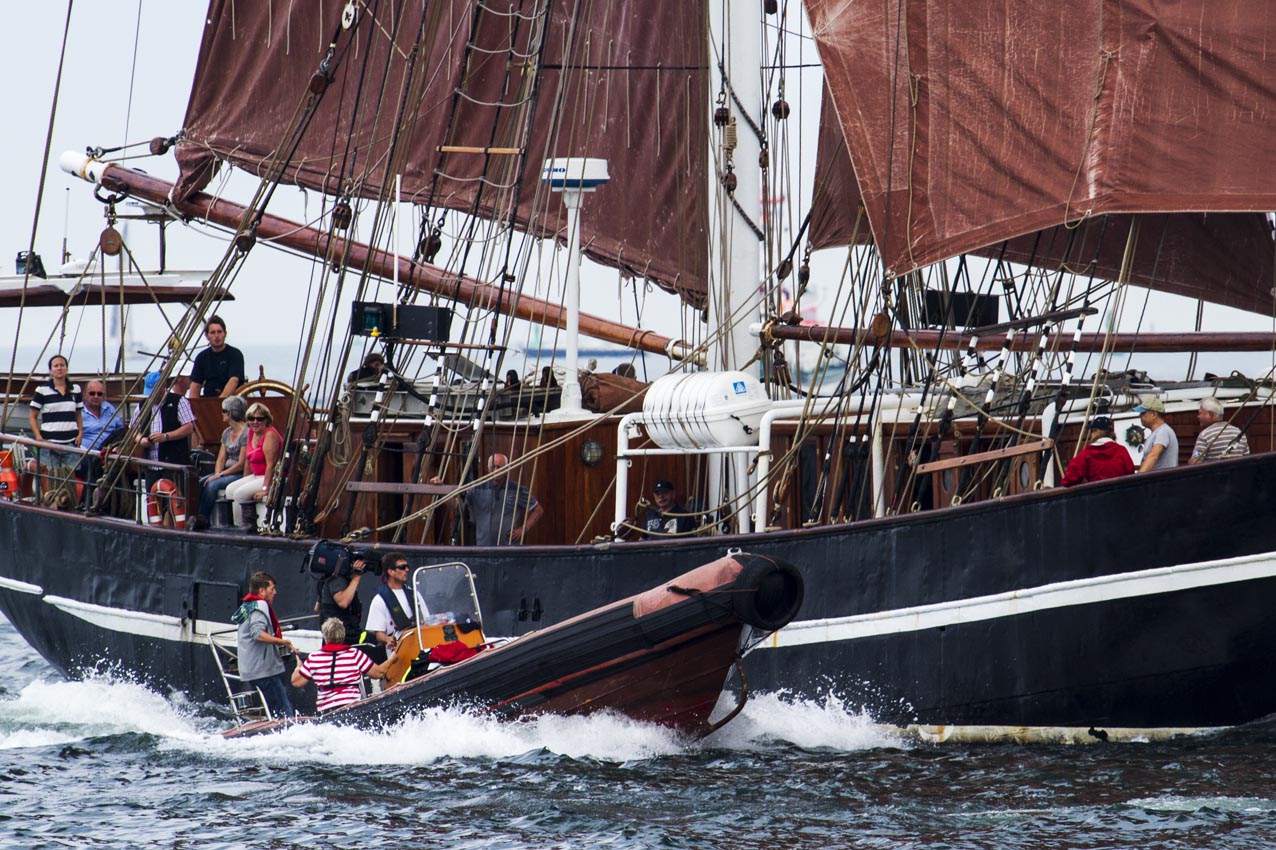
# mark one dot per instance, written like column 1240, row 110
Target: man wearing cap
column 1161, row 450
column 1103, row 458
column 667, row 515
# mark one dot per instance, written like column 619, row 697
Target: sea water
column 105, row 763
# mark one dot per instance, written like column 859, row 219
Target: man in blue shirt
column 101, row 419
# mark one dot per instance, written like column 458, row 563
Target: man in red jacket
column 1103, row 458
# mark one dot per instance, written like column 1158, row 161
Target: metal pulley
column 342, row 215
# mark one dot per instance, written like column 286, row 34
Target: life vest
column 173, row 451
column 402, row 619
column 9, row 484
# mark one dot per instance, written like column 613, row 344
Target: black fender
column 768, row 592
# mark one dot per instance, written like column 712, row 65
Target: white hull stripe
column 21, row 586
column 165, row 627
column 1047, row 597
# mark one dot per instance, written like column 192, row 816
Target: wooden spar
column 97, row 295
column 929, row 340
column 356, row 255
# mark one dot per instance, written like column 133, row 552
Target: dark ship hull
column 1142, row 602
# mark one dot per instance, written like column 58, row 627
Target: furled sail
column 975, row 123
column 441, row 91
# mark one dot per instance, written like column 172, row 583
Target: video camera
column 327, row 559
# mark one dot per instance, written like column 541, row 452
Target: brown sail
column 974, row 123
column 625, row 82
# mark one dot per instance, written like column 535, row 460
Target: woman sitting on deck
column 231, row 460
column 263, row 449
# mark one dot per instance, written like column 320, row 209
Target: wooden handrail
column 981, row 457
column 398, row 487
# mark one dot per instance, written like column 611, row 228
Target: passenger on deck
column 1217, row 439
column 103, row 426
column 336, row 669
column 394, row 610
column 503, row 510
column 219, row 369
column 262, row 451
column 231, row 458
column 168, row 437
column 668, row 515
column 371, row 369
column 55, row 414
column 260, row 664
column 1103, row 458
column 1161, row 450
column 101, row 418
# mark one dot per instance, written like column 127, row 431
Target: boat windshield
column 447, row 591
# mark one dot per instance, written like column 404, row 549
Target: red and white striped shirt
column 338, row 682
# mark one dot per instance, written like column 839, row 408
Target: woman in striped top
column 55, row 411
column 336, row 669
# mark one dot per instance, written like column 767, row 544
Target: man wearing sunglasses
column 394, row 609
column 101, row 419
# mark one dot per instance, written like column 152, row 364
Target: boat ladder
column 247, row 702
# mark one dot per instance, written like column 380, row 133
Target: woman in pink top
column 265, row 445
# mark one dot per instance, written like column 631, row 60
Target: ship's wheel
column 262, row 387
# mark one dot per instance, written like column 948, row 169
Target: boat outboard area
column 664, row 656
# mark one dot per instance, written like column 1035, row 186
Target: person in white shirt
column 395, row 608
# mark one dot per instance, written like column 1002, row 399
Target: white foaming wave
column 446, row 733
column 1172, row 803
column 26, row 739
column 824, row 723
column 69, row 711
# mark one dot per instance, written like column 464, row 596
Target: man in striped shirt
column 1217, row 439
column 336, row 669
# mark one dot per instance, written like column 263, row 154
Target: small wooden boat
column 663, row 656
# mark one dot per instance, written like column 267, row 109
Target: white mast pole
column 573, row 176
column 735, row 296
column 735, row 251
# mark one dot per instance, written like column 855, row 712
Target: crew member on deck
column 1103, row 458
column 373, row 366
column 219, row 369
column 503, row 510
column 668, row 515
column 1217, row 439
column 1161, row 451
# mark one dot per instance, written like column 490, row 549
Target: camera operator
column 339, row 597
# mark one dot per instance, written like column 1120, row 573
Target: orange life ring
column 165, row 493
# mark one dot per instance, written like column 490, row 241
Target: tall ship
column 999, row 189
